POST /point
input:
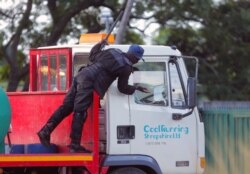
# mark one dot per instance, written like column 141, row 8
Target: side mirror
column 191, row 90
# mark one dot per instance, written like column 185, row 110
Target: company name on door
column 157, row 132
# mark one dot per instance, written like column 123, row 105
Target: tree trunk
column 10, row 51
column 13, row 81
column 60, row 21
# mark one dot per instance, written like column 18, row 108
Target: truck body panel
column 30, row 111
column 136, row 130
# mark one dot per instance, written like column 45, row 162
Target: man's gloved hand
column 142, row 89
column 104, row 42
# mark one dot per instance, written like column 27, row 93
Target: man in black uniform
column 106, row 67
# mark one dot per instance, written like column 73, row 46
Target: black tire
column 128, row 170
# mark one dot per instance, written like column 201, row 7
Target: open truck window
column 176, row 87
column 151, row 75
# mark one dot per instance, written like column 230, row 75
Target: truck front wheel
column 127, row 170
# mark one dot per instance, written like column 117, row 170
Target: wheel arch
column 142, row 161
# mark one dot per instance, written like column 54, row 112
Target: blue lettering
column 146, row 128
column 162, row 131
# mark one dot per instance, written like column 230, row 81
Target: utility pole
column 124, row 21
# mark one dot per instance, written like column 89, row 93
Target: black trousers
column 79, row 97
column 77, row 100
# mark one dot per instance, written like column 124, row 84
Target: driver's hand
column 104, row 42
column 142, row 89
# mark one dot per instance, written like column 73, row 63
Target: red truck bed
column 30, row 111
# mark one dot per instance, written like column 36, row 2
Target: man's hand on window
column 142, row 89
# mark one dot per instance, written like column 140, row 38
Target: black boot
column 52, row 123
column 44, row 133
column 76, row 133
column 77, row 148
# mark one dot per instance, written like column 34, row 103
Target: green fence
column 227, row 136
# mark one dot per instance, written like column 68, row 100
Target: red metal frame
column 33, row 70
column 58, row 72
column 95, row 110
column 35, row 64
column 30, row 111
column 90, row 161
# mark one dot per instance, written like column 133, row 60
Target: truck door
column 170, row 142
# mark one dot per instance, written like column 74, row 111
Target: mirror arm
column 176, row 116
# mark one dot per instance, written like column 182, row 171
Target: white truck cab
column 161, row 129
column 159, row 132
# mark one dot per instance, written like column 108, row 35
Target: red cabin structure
column 51, row 74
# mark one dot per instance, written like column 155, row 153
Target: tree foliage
column 219, row 36
column 217, row 33
column 37, row 23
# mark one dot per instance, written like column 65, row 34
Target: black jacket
column 107, row 66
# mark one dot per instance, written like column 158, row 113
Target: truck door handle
column 126, row 132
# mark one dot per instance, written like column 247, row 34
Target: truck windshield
column 151, row 75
